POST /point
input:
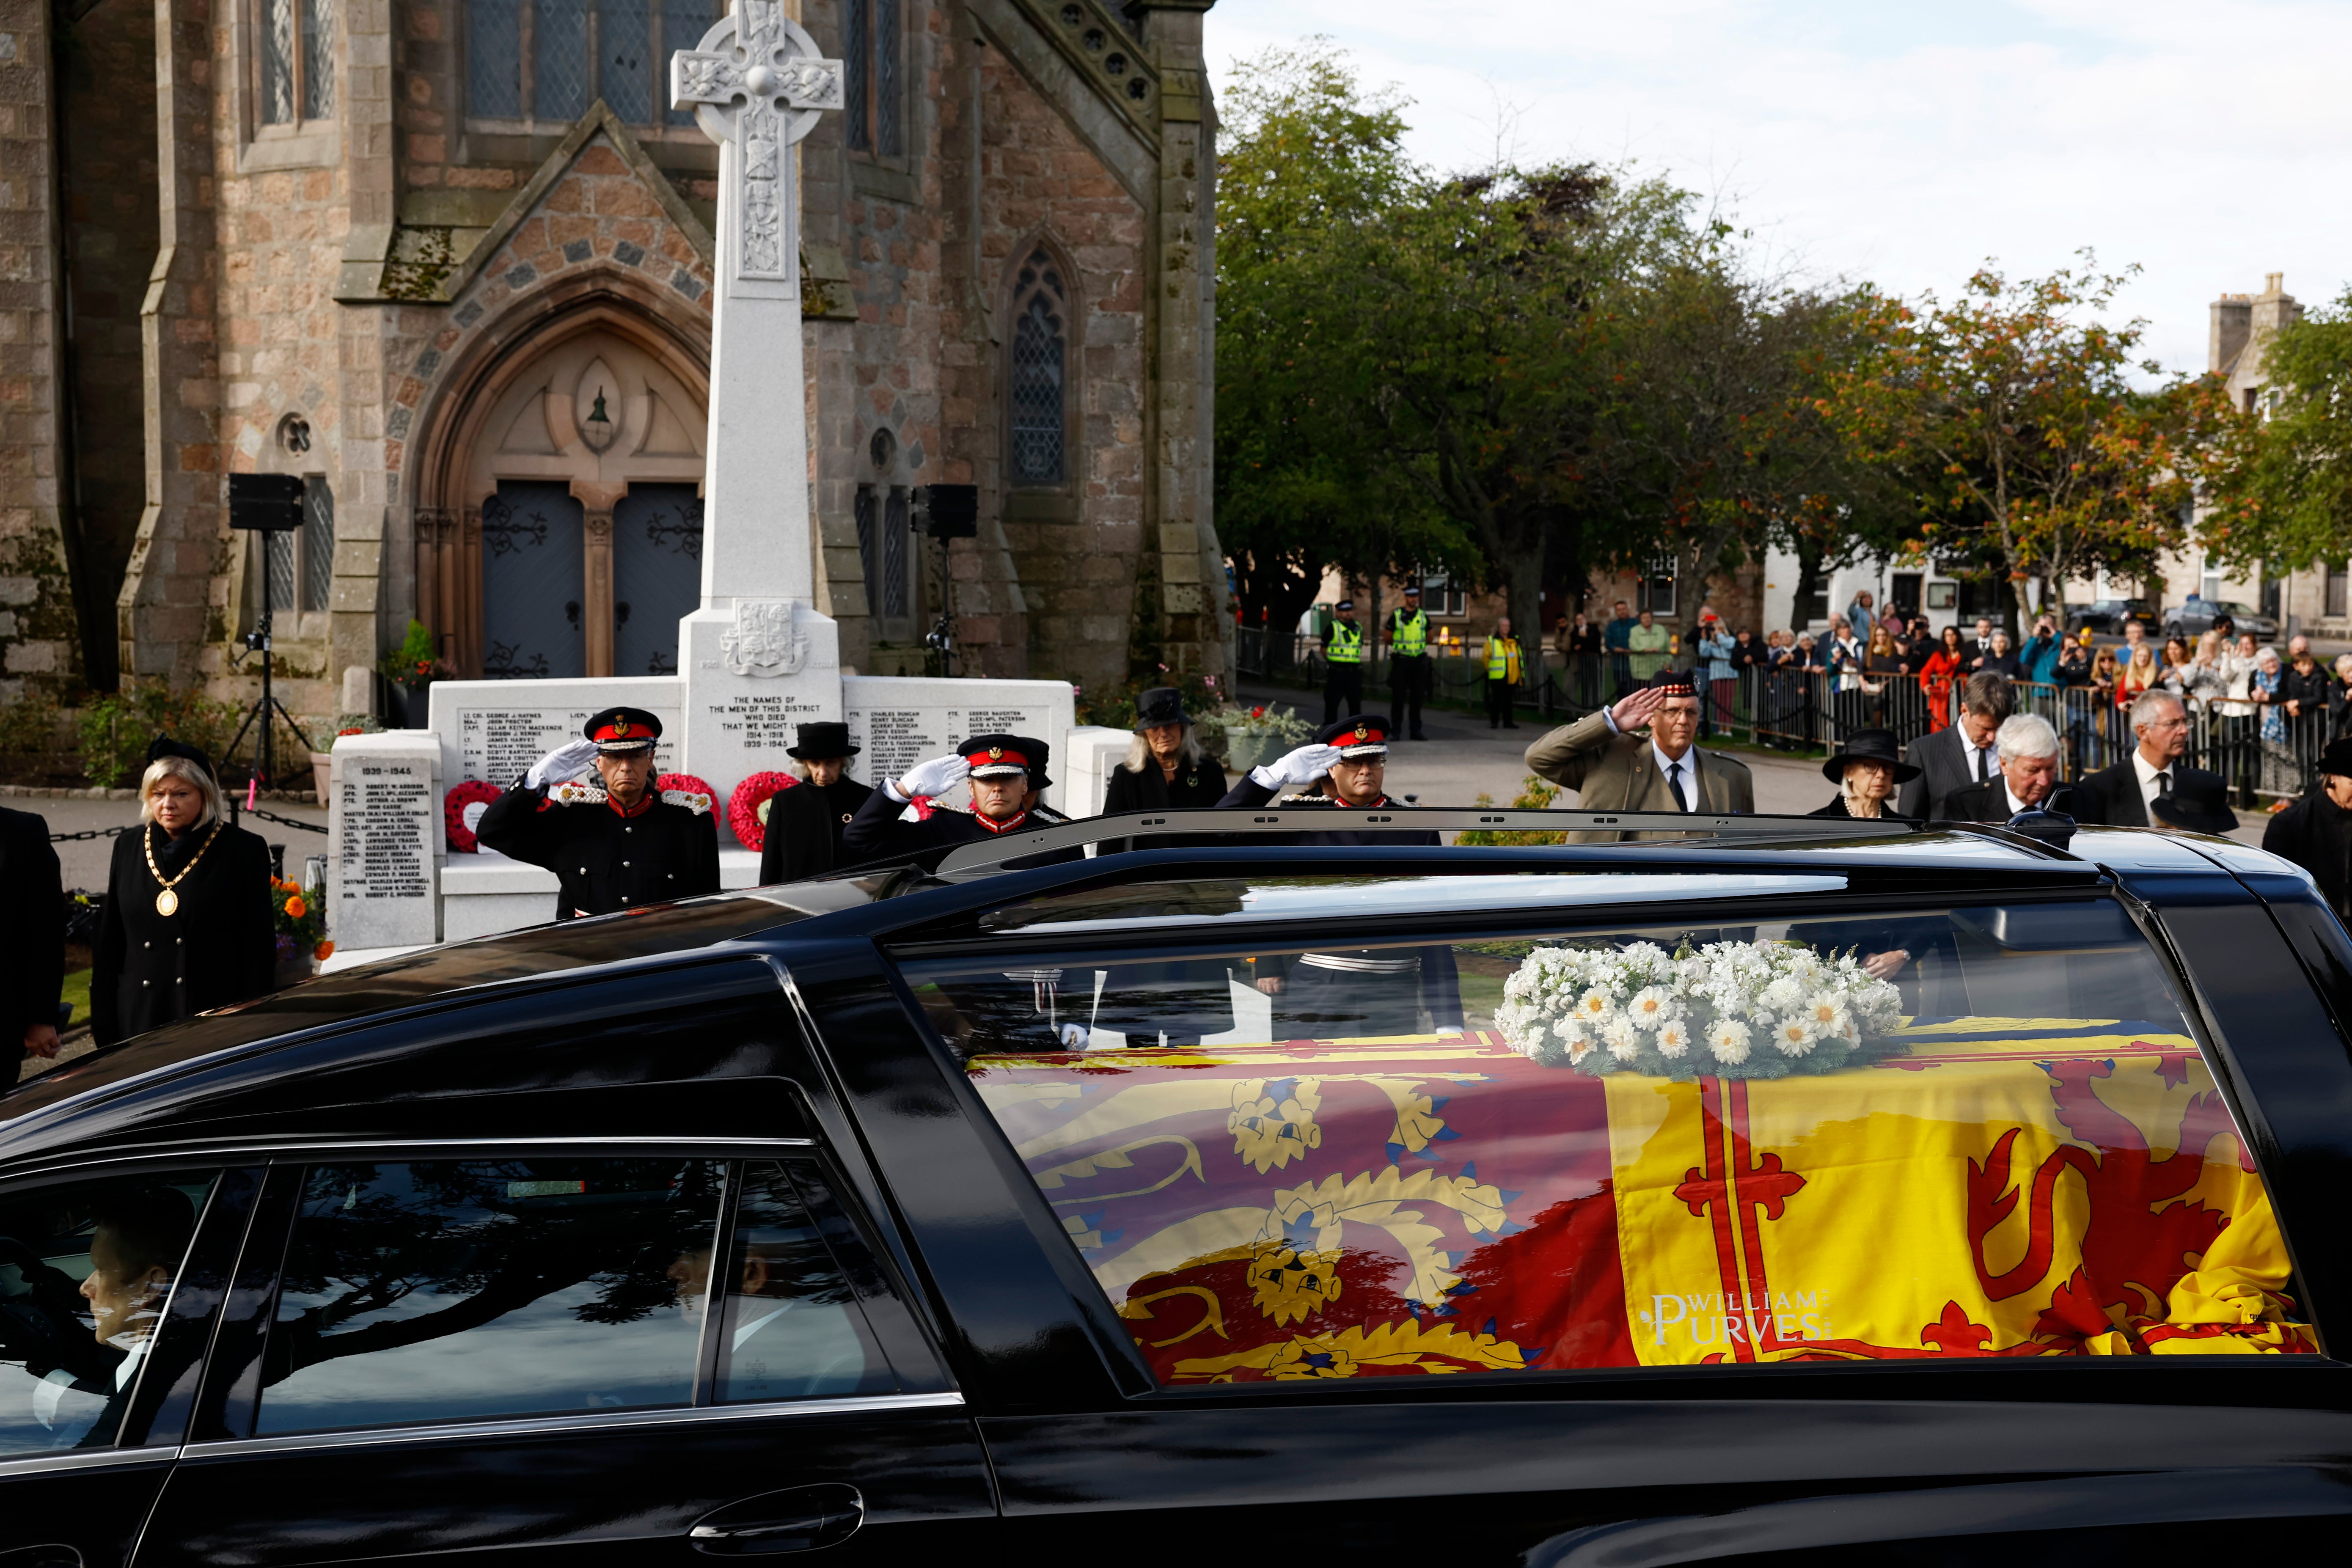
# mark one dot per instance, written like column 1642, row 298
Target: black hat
column 2200, row 803
column 1675, row 683
column 1413, row 589
column 1161, row 705
column 2338, row 758
column 623, row 732
column 822, row 739
column 1365, row 735
column 1346, row 605
column 1870, row 746
column 163, row 746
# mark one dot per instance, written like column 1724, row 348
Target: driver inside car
column 85, row 1380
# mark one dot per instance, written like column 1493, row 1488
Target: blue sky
column 1906, row 141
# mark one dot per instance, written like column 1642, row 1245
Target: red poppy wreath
column 747, row 809
column 461, row 812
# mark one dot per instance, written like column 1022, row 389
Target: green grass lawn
column 77, row 991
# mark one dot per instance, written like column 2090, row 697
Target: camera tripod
column 257, row 640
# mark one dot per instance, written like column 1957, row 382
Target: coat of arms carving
column 764, row 641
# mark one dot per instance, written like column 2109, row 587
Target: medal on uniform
column 167, row 903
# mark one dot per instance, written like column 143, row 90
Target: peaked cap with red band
column 622, row 731
column 1365, row 735
column 1002, row 756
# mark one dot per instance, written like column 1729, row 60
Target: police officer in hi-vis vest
column 1503, row 674
column 1408, row 664
column 1343, row 664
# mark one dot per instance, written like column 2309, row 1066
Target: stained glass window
column 1040, row 352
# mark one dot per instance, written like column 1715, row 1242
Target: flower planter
column 322, row 767
column 1246, row 749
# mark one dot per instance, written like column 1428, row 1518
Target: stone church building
column 451, row 260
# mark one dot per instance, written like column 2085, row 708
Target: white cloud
column 1906, row 144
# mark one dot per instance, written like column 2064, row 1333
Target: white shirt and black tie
column 1681, row 775
column 1984, row 761
column 2155, row 783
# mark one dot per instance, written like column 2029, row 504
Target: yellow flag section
column 2006, row 1187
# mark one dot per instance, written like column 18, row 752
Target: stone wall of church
column 1077, row 549
column 36, row 622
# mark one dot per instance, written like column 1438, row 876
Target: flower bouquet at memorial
column 299, row 917
column 1729, row 1009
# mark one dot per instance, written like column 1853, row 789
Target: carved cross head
column 755, row 65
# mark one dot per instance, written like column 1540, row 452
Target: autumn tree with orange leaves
column 2014, row 412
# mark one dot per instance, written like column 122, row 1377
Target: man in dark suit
column 806, row 825
column 33, row 935
column 1956, row 756
column 2124, row 794
column 2028, row 779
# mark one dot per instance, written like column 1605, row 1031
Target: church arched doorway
column 569, row 539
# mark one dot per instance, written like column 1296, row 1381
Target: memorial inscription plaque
column 388, row 827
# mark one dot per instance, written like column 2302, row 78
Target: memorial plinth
column 384, row 841
column 757, row 660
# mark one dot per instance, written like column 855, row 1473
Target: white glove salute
column 568, row 761
column 1303, row 766
column 936, row 776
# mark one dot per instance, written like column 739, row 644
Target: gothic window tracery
column 1038, row 397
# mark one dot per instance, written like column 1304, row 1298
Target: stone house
column 451, row 261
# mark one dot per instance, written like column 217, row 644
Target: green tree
column 1308, row 161
column 2279, row 484
column 1714, row 443
column 2015, row 407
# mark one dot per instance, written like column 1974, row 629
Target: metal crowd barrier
column 1816, row 711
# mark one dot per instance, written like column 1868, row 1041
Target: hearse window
column 793, row 1328
column 87, row 1270
column 472, row 1290
column 1934, row 1133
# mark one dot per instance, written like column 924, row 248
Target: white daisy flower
column 1623, row 1038
column 1650, row 1007
column 1795, row 1035
column 1674, row 1038
column 1594, row 1006
column 1728, row 1040
column 1828, row 1012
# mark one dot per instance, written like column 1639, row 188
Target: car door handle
column 798, row 1518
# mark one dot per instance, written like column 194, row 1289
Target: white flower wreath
column 1733, row 1009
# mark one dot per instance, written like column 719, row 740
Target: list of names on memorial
column 498, row 745
column 896, row 738
column 387, row 811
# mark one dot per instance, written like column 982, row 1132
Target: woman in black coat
column 188, row 921
column 1166, row 769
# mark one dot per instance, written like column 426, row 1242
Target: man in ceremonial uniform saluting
column 1348, row 763
column 1348, row 992
column 806, row 825
column 1007, row 773
column 614, row 842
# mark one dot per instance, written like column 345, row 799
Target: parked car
column 2108, row 615
column 1218, row 1198
column 2196, row 618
